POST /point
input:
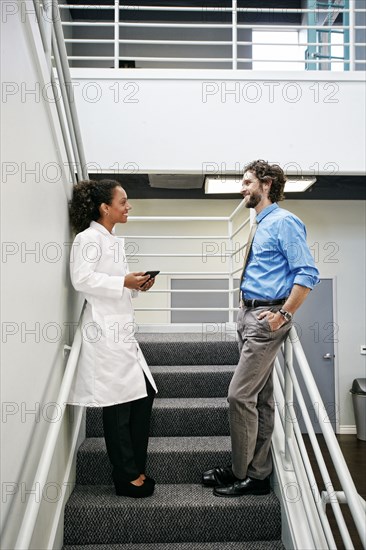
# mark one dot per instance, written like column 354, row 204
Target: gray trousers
column 251, row 404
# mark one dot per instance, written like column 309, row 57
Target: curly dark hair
column 269, row 172
column 87, row 197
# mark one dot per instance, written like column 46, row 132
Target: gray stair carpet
column 174, row 513
column 189, row 349
column 198, row 416
column 253, row 545
column 189, row 381
column 189, row 434
column 170, row 459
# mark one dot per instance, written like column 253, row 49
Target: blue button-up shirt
column 280, row 257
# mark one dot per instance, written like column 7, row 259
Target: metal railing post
column 235, row 34
column 47, row 10
column 231, row 269
column 116, row 34
column 289, row 398
column 352, row 35
column 346, row 48
column 42, row 29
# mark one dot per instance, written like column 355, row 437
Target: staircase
column 189, row 434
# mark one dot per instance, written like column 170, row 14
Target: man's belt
column 258, row 303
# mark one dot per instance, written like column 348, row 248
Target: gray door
column 318, row 334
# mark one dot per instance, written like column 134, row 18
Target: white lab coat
column 111, row 365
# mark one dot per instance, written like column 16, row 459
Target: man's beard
column 253, row 200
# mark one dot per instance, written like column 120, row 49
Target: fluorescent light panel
column 232, row 184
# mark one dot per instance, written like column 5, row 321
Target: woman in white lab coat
column 112, row 372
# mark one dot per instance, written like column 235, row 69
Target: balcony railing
column 225, row 36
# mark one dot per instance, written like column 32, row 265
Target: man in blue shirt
column 278, row 274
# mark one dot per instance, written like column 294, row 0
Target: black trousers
column 126, row 432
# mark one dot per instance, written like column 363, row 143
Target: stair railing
column 293, row 438
column 231, row 48
column 230, row 272
column 40, row 479
column 51, row 33
column 50, row 29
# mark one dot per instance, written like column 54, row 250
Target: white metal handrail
column 290, row 459
column 32, row 509
column 205, row 9
column 73, row 144
column 178, row 218
column 289, row 383
column 193, row 42
column 178, row 237
column 199, row 291
column 227, row 273
column 198, row 309
column 181, row 255
column 205, row 60
column 252, row 26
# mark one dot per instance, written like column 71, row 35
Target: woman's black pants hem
column 126, row 432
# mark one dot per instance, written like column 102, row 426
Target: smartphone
column 152, row 273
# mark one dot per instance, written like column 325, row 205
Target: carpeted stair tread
column 175, row 513
column 252, row 545
column 170, row 459
column 189, row 434
column 189, row 349
column 204, row 336
column 192, row 380
column 208, row 369
column 175, row 417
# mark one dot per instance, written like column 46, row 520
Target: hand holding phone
column 151, row 280
column 152, row 274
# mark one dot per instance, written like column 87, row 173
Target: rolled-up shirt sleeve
column 293, row 245
column 85, row 260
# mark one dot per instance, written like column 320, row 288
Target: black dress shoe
column 218, row 477
column 247, row 486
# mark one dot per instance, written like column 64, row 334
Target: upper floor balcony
column 216, row 34
column 179, row 83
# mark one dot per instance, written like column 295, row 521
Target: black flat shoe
column 150, row 480
column 247, row 486
column 127, row 489
column 218, row 477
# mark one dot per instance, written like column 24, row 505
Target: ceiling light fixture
column 232, row 184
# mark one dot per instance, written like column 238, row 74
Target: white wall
column 180, row 120
column 336, row 235
column 35, row 291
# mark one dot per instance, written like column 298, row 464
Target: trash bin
column 359, row 406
